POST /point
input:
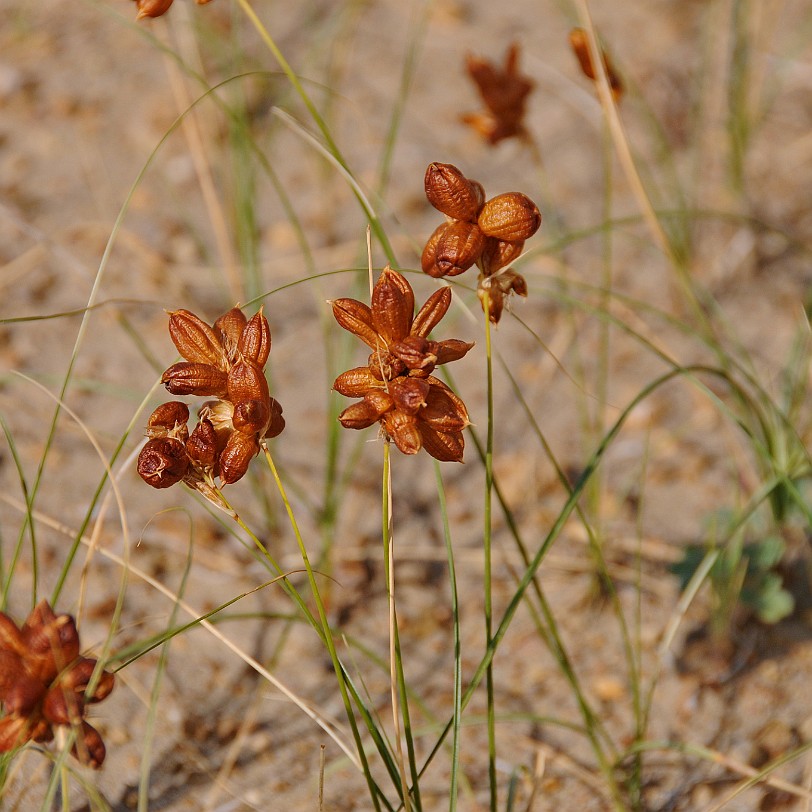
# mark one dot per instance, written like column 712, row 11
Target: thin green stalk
column 374, row 222
column 487, row 532
column 396, row 676
column 456, row 719
column 327, row 635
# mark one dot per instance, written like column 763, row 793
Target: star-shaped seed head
column 398, row 391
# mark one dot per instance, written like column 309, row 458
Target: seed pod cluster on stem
column 45, row 683
column 225, row 362
column 487, row 233
column 414, row 409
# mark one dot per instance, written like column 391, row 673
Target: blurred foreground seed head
column 44, row 684
column 155, row 8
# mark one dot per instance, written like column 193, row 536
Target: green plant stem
column 487, row 533
column 326, row 633
column 396, row 679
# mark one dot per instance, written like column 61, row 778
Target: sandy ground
column 88, row 102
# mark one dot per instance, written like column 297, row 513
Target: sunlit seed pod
column 169, row 420
column 236, row 456
column 246, row 381
column 190, row 378
column 277, row 422
column 511, row 216
column 356, row 382
column 409, row 394
column 195, row 340
column 416, row 352
column 255, row 341
column 385, row 365
column 443, row 446
column 444, row 411
column 429, row 316
column 450, row 192
column 498, row 254
column 452, row 349
column 228, row 329
column 359, row 415
column 458, row 248
column 392, row 305
column 252, row 416
column 202, row 445
column 163, row 462
column 356, row 318
column 402, row 429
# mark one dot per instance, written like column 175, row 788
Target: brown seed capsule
column 511, row 216
column 409, row 394
column 402, row 428
column 237, row 455
column 452, row 349
column 202, row 446
column 163, row 462
column 79, row 675
column 89, row 747
column 429, row 316
column 444, row 411
column 355, row 383
column 21, row 696
column 51, row 637
column 152, row 8
column 277, row 422
column 359, row 415
column 443, row 446
column 498, row 254
column 416, row 352
column 457, row 248
column 169, row 419
column 186, row 378
column 195, row 340
column 252, row 416
column 255, row 341
column 228, row 329
column 246, row 381
column 392, row 305
column 449, row 191
column 14, row 732
column 385, row 365
column 62, row 706
column 10, row 636
column 356, row 318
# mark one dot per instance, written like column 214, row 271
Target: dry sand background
column 86, row 96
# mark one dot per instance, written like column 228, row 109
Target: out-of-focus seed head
column 152, row 8
column 162, row 462
column 579, row 41
column 512, row 216
column 450, row 192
